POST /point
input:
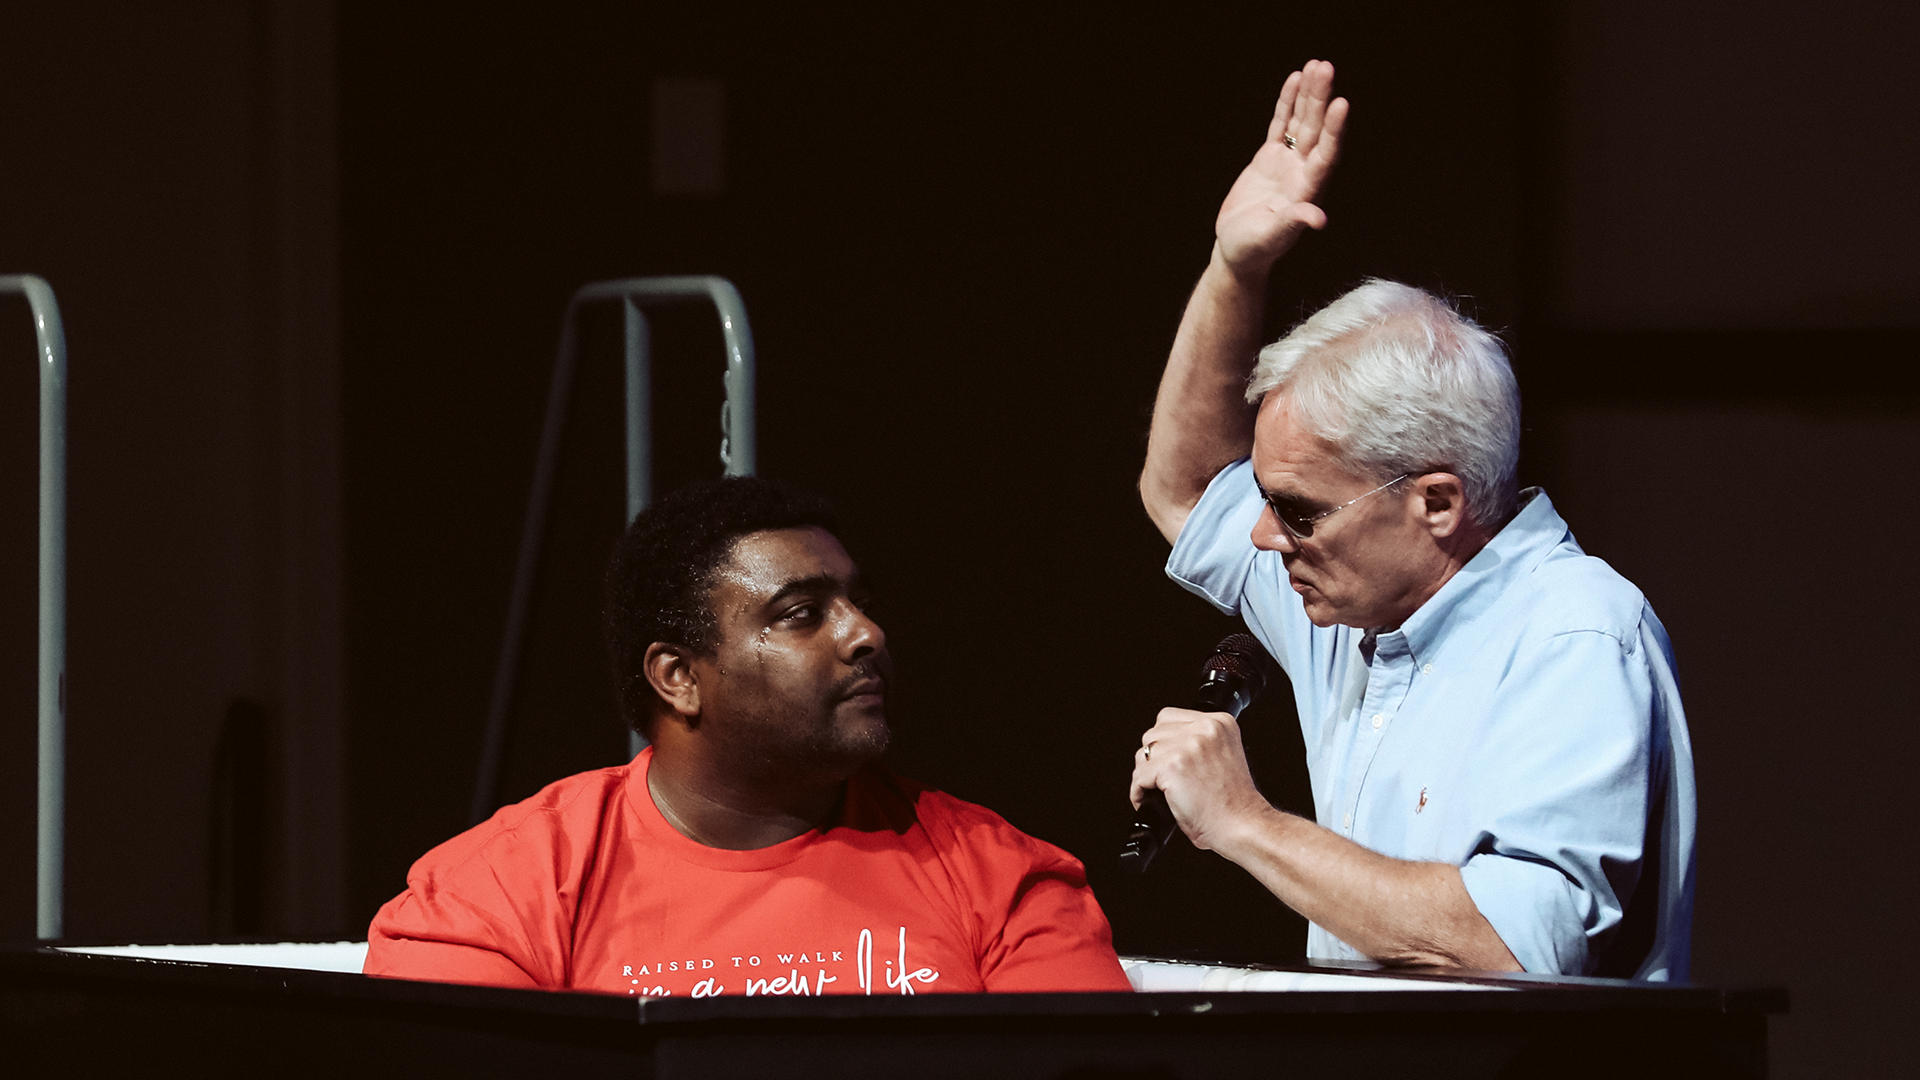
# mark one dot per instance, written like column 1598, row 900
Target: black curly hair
column 660, row 579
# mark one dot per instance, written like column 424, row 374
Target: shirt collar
column 1513, row 553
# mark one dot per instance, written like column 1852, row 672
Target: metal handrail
column 51, row 358
column 737, row 456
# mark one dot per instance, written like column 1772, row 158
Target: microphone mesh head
column 1240, row 656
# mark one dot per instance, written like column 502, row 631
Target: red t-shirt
column 586, row 887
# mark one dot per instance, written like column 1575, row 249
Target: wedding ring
column 1288, row 139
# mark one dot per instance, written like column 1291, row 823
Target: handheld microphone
column 1232, row 677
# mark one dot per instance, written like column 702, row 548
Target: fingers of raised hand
column 1327, row 146
column 1316, row 89
column 1310, row 106
column 1283, row 109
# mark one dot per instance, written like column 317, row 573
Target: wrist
column 1245, row 831
column 1249, row 276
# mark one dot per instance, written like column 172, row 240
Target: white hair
column 1401, row 382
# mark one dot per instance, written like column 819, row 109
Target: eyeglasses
column 1299, row 525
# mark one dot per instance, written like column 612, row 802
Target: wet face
column 797, row 685
column 1370, row 565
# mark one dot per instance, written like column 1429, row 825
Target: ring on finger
column 1290, row 141
column 1149, row 751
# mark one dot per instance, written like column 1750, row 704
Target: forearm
column 1395, row 911
column 1201, row 419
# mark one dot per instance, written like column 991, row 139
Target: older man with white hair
column 1501, row 773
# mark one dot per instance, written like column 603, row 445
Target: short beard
column 825, row 749
column 825, row 753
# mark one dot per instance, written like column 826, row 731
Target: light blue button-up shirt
column 1523, row 725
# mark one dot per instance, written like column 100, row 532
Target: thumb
column 1263, row 232
column 1301, row 215
column 1287, row 222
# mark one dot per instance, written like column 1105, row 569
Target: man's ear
column 1443, row 503
column 669, row 670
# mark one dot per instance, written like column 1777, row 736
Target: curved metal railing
column 737, row 454
column 51, row 358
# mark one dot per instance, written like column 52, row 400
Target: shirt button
column 1347, row 822
column 1378, row 719
column 1426, row 669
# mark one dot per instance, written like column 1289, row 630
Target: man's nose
column 1269, row 535
column 861, row 635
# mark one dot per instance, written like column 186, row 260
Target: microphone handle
column 1153, row 823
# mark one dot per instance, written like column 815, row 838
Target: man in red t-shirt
column 756, row 847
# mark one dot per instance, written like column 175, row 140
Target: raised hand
column 1271, row 203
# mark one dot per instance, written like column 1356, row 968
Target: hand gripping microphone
column 1233, row 676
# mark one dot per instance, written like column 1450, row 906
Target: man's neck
column 710, row 810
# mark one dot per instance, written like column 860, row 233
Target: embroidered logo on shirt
column 1422, row 805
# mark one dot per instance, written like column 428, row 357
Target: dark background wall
column 169, row 169
column 964, row 242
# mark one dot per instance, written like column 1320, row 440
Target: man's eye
column 1292, row 510
column 800, row 613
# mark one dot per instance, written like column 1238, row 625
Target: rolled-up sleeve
column 1567, row 777
column 1214, row 553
